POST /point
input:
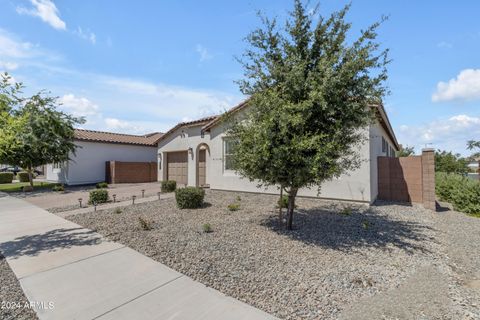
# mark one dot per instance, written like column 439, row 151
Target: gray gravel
column 12, row 299
column 332, row 266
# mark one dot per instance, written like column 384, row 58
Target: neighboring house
column 197, row 153
column 474, row 165
column 95, row 148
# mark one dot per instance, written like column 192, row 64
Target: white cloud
column 445, row 45
column 449, row 134
column 86, row 35
column 465, row 87
column 8, row 66
column 12, row 48
column 78, row 106
column 203, row 53
column 45, row 10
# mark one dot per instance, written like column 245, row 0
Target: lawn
column 17, row 186
column 330, row 260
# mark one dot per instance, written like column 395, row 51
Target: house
column 95, row 148
column 197, row 153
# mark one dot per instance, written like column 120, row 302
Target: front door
column 202, row 168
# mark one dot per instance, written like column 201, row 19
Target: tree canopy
column 311, row 94
column 32, row 131
column 450, row 163
column 406, row 151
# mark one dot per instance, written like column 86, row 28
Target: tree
column 311, row 93
column 472, row 144
column 406, row 151
column 32, row 131
column 450, row 163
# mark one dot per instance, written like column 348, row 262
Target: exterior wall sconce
column 190, row 151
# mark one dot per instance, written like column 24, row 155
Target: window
column 392, row 152
column 228, row 153
column 384, row 145
column 57, row 165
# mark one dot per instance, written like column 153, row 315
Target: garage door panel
column 177, row 167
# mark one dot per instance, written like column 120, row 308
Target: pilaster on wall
column 428, row 176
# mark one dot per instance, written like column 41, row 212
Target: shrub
column 6, row 177
column 463, row 193
column 117, row 211
column 283, row 202
column 58, row 187
column 207, row 228
column 169, row 185
column 23, row 176
column 102, row 185
column 239, row 198
column 98, row 196
column 233, row 206
column 145, row 224
column 346, row 211
column 189, row 197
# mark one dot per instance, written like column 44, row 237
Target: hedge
column 98, row 196
column 102, row 185
column 189, row 197
column 169, row 185
column 463, row 193
column 23, row 176
column 6, row 177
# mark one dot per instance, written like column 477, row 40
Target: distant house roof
column 150, row 139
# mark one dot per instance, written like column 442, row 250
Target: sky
column 143, row 66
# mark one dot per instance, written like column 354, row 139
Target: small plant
column 239, row 198
column 207, row 228
column 58, row 187
column 23, row 176
column 117, row 211
column 169, row 185
column 6, row 177
column 346, row 211
column 189, row 197
column 98, row 196
column 283, row 202
column 102, row 185
column 365, row 224
column 233, row 207
column 145, row 224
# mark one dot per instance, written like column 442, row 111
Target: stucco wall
column 358, row 185
column 88, row 165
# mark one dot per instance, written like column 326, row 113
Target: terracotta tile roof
column 150, row 139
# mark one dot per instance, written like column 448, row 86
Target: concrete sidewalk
column 74, row 273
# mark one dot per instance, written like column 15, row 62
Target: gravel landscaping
column 366, row 262
column 13, row 301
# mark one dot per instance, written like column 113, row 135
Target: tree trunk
column 280, row 209
column 291, row 205
column 30, row 176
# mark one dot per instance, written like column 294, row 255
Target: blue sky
column 143, row 66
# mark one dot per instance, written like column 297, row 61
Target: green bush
column 102, row 185
column 169, row 185
column 98, row 196
column 23, row 176
column 233, row 206
column 58, row 187
column 207, row 228
column 189, row 197
column 463, row 193
column 283, row 202
column 6, row 177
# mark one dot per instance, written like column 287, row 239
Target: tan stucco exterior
column 358, row 185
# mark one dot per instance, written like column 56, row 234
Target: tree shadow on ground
column 329, row 229
column 53, row 240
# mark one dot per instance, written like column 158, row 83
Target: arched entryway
column 202, row 153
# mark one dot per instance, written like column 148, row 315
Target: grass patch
column 17, row 186
column 233, row 206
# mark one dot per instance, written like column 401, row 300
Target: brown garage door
column 177, row 168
